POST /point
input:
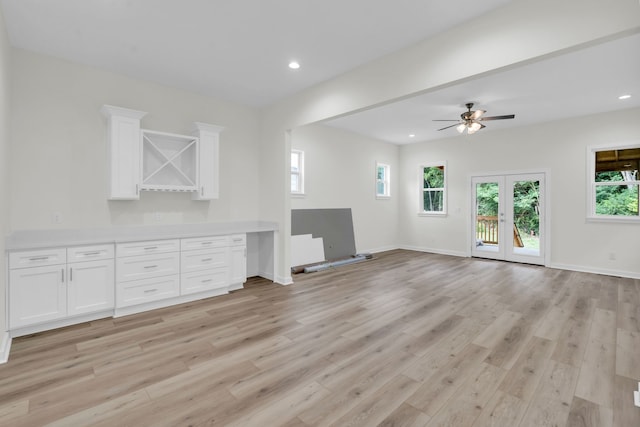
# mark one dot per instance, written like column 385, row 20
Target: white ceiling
column 239, row 50
column 236, row 50
column 582, row 82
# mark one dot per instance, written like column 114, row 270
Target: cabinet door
column 238, row 266
column 90, row 287
column 208, row 161
column 123, row 138
column 37, row 295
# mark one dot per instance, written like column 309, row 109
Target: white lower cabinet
column 205, row 280
column 45, row 285
column 37, row 295
column 55, row 287
column 147, row 290
column 152, row 276
column 90, row 287
column 204, row 265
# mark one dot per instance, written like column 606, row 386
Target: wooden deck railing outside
column 487, row 229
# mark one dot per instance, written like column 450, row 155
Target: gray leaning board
column 335, row 226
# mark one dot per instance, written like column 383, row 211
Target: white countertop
column 35, row 239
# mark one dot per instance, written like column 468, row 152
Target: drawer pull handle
column 92, row 253
column 148, row 291
column 238, row 239
column 207, row 280
column 207, row 260
column 150, row 266
column 206, row 243
column 149, row 248
column 39, row 258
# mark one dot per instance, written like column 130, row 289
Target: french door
column 509, row 217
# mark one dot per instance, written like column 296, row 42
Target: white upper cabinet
column 123, row 141
column 147, row 160
column 208, row 160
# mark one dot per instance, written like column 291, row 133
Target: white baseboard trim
column 5, row 347
column 603, row 271
column 378, row 250
column 283, row 280
column 263, row 274
column 434, row 251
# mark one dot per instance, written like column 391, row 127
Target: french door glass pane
column 487, row 208
column 526, row 217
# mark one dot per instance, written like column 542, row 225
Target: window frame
column 421, row 189
column 591, row 215
column 300, row 174
column 386, row 181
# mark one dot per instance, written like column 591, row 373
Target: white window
column 383, row 181
column 297, row 172
column 614, row 183
column 433, row 189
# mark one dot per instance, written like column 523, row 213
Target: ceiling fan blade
column 477, row 114
column 508, row 116
column 445, row 120
column 449, row 126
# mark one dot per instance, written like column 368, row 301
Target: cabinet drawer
column 204, row 259
column 37, row 258
column 147, row 266
column 206, row 280
column 89, row 253
column 238, row 240
column 142, row 291
column 148, row 247
column 204, row 242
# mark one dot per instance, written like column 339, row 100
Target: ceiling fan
column 471, row 120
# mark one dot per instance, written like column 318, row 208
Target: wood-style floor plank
column 406, row 339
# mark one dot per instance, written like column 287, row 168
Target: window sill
column 298, row 195
column 614, row 219
column 379, row 197
column 433, row 214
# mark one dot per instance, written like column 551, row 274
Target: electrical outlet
column 56, row 218
column 157, row 216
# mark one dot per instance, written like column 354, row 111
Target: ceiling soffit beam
column 515, row 34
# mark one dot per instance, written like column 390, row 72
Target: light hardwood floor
column 405, row 339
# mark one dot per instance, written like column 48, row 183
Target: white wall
column 59, row 148
column 5, row 57
column 559, row 147
column 520, row 32
column 340, row 173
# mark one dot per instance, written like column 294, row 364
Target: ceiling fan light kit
column 470, row 120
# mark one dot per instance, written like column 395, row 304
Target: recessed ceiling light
column 294, row 65
column 412, row 135
column 624, row 97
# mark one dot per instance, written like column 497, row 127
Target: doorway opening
column 509, row 213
